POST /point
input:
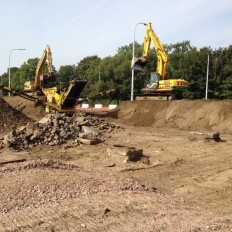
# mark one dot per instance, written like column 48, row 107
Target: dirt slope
column 26, row 107
column 184, row 115
column 10, row 117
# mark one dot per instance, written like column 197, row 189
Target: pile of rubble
column 57, row 129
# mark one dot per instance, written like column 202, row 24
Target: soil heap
column 10, row 117
column 29, row 108
column 184, row 115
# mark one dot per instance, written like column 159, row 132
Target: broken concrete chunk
column 89, row 141
column 6, row 140
column 32, row 125
column 13, row 133
column 80, row 119
column 44, row 120
column 35, row 135
column 57, row 129
column 90, row 130
column 20, row 130
column 87, row 136
column 131, row 153
column 28, row 133
column 204, row 136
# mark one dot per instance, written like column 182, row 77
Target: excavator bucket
column 138, row 63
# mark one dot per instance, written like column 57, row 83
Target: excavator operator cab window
column 154, row 77
column 154, row 81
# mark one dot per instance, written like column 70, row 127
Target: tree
column 65, row 75
column 25, row 73
column 185, row 61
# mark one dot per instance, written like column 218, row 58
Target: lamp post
column 207, row 80
column 1, row 89
column 133, row 71
column 19, row 49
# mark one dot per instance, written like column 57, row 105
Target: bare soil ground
column 179, row 184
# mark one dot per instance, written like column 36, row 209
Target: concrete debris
column 130, row 153
column 89, row 141
column 199, row 136
column 56, row 129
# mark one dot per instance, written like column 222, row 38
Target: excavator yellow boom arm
column 162, row 57
column 46, row 57
column 39, row 79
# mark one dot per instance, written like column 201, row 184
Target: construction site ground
column 180, row 184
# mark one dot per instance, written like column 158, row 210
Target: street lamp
column 19, row 49
column 133, row 72
column 207, row 80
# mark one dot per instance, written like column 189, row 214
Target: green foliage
column 114, row 72
column 65, row 75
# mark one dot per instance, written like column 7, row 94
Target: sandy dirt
column 179, row 184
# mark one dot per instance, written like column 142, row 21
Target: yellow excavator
column 53, row 98
column 158, row 86
column 41, row 79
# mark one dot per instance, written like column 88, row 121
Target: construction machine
column 41, row 79
column 53, row 98
column 158, row 85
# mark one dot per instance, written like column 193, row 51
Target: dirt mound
column 10, row 117
column 50, row 196
column 184, row 115
column 29, row 108
column 42, row 181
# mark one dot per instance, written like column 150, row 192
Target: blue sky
column 75, row 29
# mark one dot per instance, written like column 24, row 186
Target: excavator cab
column 154, row 80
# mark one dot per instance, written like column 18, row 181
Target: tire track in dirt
column 127, row 213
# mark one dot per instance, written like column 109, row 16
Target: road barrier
column 96, row 107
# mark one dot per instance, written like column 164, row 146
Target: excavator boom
column 158, row 86
column 40, row 79
column 162, row 58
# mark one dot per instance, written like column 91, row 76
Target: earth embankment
column 183, row 115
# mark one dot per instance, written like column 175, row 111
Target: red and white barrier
column 96, row 107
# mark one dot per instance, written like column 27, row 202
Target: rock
column 28, row 132
column 87, row 136
column 90, row 130
column 89, row 141
column 108, row 164
column 55, row 129
column 55, row 122
column 13, row 133
column 85, row 123
column 6, row 140
column 35, row 135
column 199, row 136
column 32, row 125
column 131, row 153
column 80, row 119
column 20, row 130
column 45, row 120
column 61, row 122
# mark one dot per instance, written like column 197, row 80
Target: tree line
column 185, row 61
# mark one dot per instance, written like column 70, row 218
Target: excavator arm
column 40, row 79
column 162, row 57
column 46, row 57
